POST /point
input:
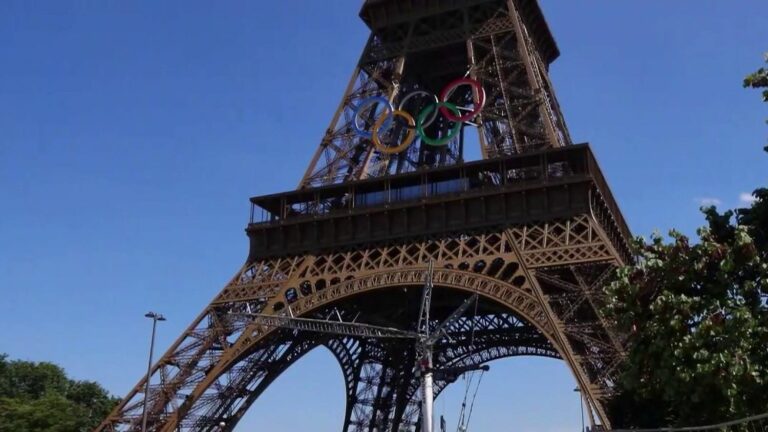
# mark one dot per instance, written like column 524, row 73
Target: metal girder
column 330, row 327
column 491, row 43
column 442, row 330
column 537, row 258
column 487, row 263
column 575, row 296
column 487, row 344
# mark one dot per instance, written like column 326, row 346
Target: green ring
column 436, row 142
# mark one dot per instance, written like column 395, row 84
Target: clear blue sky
column 133, row 133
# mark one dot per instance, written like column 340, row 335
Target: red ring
column 477, row 90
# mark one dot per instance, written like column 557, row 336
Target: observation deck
column 389, row 19
column 532, row 187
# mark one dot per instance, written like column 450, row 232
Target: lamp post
column 155, row 318
column 581, row 404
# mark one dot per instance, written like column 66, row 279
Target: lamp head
column 155, row 316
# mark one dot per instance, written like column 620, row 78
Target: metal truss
column 561, row 242
column 489, row 41
column 475, row 341
column 330, row 327
column 210, row 360
column 380, row 376
column 539, row 278
column 343, row 155
column 379, row 404
column 521, row 112
column 576, row 296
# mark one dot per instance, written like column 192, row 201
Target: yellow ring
column 408, row 138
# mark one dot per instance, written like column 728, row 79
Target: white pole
column 155, row 318
column 149, row 374
column 427, row 394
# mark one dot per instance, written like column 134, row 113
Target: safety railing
column 536, row 169
column 516, row 171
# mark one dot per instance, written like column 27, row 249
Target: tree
column 696, row 320
column 38, row 397
column 31, row 380
column 758, row 80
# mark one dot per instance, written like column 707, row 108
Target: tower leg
column 382, row 390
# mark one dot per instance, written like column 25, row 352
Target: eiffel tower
column 531, row 227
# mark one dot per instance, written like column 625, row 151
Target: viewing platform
column 531, row 187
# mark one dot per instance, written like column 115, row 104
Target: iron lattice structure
column 532, row 229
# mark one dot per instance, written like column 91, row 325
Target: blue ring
column 366, row 102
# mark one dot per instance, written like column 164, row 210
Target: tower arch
column 532, row 228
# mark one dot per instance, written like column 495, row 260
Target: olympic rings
column 408, row 138
column 425, row 112
column 425, row 118
column 415, row 93
column 370, row 101
column 478, row 96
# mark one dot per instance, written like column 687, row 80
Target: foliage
column 696, row 320
column 39, row 397
column 759, row 79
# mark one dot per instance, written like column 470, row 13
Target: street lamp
column 581, row 404
column 155, row 318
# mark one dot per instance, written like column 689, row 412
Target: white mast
column 425, row 350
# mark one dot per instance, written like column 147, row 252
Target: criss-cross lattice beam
column 521, row 113
column 491, row 264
